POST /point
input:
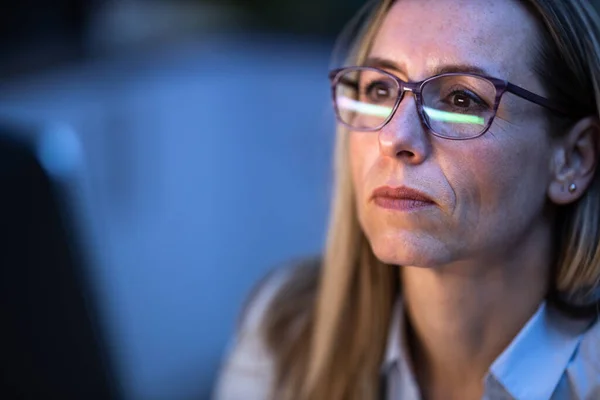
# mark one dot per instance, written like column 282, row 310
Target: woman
column 463, row 257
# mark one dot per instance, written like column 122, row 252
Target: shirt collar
column 394, row 351
column 534, row 362
column 531, row 366
column 396, row 360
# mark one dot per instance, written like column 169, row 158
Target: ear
column 575, row 157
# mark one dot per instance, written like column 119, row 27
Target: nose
column 405, row 136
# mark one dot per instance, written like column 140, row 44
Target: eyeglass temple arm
column 537, row 99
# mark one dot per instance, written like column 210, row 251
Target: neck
column 462, row 316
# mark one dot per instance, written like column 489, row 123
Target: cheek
column 496, row 183
column 363, row 152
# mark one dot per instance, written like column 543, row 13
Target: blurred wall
column 207, row 168
column 206, row 162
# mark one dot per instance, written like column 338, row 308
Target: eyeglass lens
column 455, row 106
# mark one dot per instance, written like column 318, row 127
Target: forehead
column 421, row 35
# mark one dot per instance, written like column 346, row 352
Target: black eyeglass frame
column 501, row 86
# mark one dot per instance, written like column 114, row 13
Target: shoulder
column 284, row 288
column 261, row 297
column 247, row 371
column 249, row 368
column 589, row 349
column 583, row 372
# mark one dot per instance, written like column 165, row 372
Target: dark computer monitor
column 52, row 341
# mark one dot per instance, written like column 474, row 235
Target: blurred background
column 196, row 140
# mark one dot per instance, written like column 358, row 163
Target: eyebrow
column 440, row 69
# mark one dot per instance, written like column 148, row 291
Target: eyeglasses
column 455, row 106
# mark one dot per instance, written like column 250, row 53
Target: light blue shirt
column 552, row 358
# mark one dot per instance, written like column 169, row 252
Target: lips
column 401, row 193
column 400, row 198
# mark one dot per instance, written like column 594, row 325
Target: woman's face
column 489, row 192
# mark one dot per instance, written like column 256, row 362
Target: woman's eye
column 463, row 99
column 378, row 92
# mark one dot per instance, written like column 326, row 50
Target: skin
column 475, row 265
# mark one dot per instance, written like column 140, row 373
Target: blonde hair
column 327, row 328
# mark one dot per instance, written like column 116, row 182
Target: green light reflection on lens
column 363, row 108
column 446, row 116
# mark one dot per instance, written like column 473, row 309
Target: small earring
column 572, row 188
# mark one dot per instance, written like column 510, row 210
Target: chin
column 409, row 249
